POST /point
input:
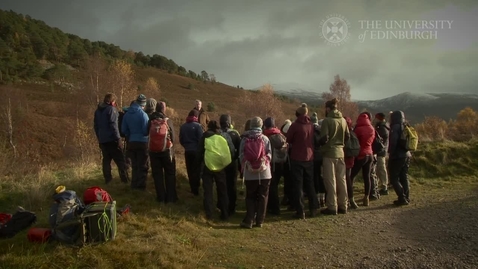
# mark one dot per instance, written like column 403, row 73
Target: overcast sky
column 249, row 43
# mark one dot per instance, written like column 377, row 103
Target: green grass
column 178, row 236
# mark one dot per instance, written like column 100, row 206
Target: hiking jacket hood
column 395, row 149
column 135, row 124
column 365, row 134
column 106, row 123
column 190, row 134
column 267, row 146
column 300, row 136
column 335, row 131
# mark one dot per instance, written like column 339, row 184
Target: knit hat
column 269, row 122
column 141, row 100
column 150, row 105
column 380, row 116
column 332, row 104
column 302, row 110
column 287, row 124
column 247, row 126
column 314, row 118
column 256, row 122
column 193, row 113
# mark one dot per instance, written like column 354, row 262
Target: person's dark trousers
column 257, row 193
column 398, row 174
column 364, row 164
column 231, row 183
column 113, row 151
column 288, row 184
column 138, row 153
column 273, row 204
column 163, row 168
column 302, row 176
column 350, row 184
column 208, row 179
column 374, row 179
column 319, row 185
column 125, row 154
column 193, row 173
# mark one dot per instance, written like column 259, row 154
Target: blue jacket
column 395, row 148
column 190, row 134
column 106, row 123
column 135, row 124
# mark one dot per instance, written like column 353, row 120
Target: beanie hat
column 150, row 105
column 380, row 116
column 256, row 122
column 141, row 100
column 332, row 104
column 302, row 110
column 269, row 122
column 286, row 126
column 161, row 107
column 193, row 113
column 314, row 118
column 247, row 126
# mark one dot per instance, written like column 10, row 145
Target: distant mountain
column 301, row 92
column 419, row 105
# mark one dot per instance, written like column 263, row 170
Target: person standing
column 334, row 130
column 190, row 135
column 109, row 139
column 135, row 128
column 383, row 130
column 203, row 117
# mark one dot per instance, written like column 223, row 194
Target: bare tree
column 9, row 126
column 340, row 89
column 123, row 76
column 152, row 87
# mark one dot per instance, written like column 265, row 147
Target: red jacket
column 365, row 134
column 301, row 138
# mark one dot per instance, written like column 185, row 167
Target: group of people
column 308, row 153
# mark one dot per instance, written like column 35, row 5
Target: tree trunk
column 10, row 128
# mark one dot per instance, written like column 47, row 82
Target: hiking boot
column 374, row 197
column 258, row 225
column 366, row 201
column 328, row 212
column 353, row 204
column 400, row 202
column 342, row 211
column 245, row 225
column 384, row 192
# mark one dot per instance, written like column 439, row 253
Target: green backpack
column 409, row 138
column 217, row 155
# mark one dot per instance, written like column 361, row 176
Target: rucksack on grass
column 159, row 135
column 66, row 208
column 409, row 138
column 279, row 147
column 217, row 153
column 352, row 146
column 19, row 221
column 255, row 158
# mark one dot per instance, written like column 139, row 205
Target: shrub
column 211, row 107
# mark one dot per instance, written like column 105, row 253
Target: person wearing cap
column 257, row 182
column 190, row 134
column 381, row 125
column 301, row 138
column 203, row 117
column 135, row 128
column 163, row 164
column 209, row 177
column 334, row 130
column 109, row 138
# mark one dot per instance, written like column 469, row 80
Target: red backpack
column 159, row 136
column 96, row 194
column 255, row 158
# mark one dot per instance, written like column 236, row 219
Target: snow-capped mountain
column 301, row 92
column 419, row 105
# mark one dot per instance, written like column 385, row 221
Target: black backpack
column 19, row 222
column 378, row 145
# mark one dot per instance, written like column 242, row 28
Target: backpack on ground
column 378, row 145
column 352, row 146
column 96, row 194
column 159, row 135
column 279, row 147
column 255, row 159
column 64, row 214
column 19, row 221
column 409, row 138
column 217, row 153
